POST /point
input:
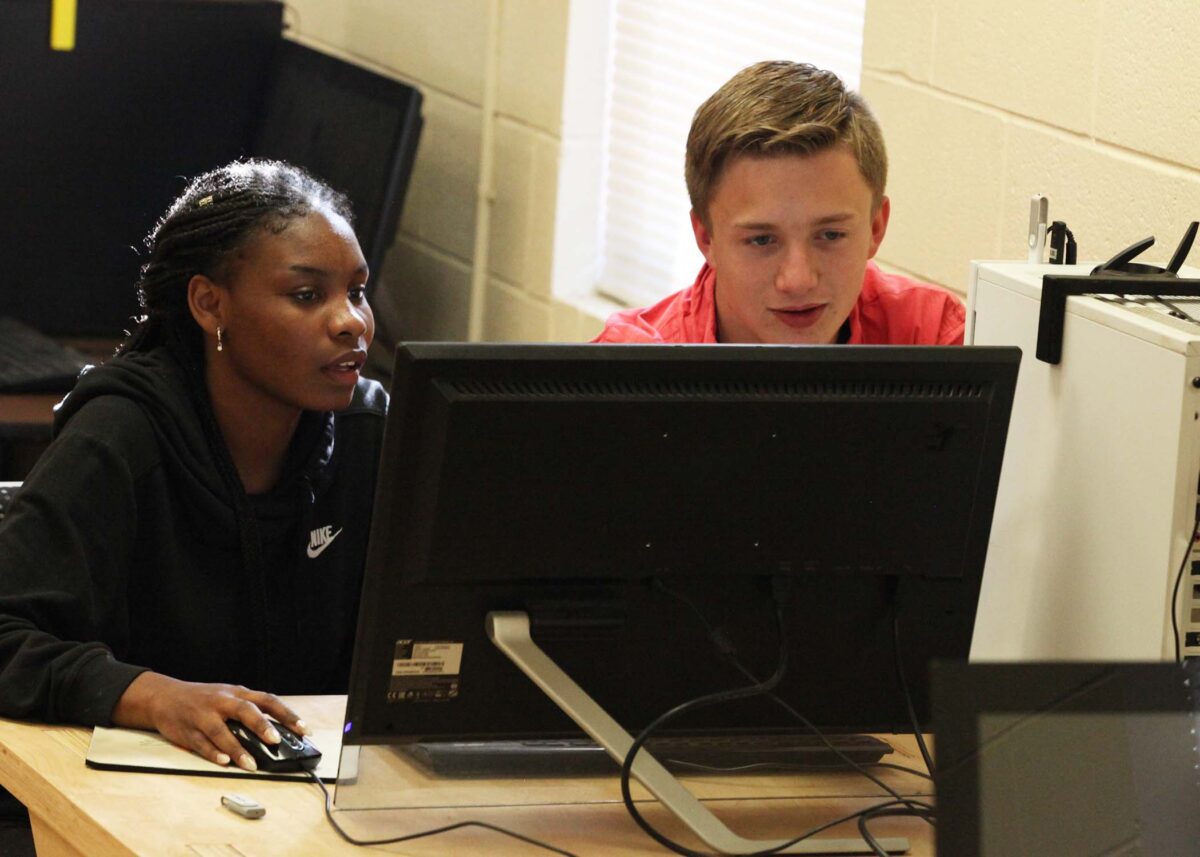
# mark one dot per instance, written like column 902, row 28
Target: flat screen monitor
column 1067, row 758
column 103, row 137
column 97, row 141
column 626, row 497
column 354, row 128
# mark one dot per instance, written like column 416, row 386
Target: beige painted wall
column 1092, row 103
column 442, row 48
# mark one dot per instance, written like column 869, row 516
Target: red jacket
column 891, row 310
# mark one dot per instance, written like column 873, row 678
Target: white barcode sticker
column 425, row 671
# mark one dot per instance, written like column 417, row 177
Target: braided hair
column 201, row 233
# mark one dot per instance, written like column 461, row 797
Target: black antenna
column 1185, row 246
column 1121, row 264
column 1117, row 276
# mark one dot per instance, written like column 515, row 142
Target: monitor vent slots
column 684, row 389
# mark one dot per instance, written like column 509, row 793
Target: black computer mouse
column 292, row 753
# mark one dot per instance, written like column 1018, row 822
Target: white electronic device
column 1098, row 492
column 1039, row 210
column 246, row 807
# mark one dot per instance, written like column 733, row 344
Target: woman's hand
column 193, row 715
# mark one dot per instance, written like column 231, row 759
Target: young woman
column 198, row 526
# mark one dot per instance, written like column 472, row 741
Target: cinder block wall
column 441, row 47
column 1093, row 103
column 1090, row 102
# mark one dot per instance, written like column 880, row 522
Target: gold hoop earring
column 220, row 339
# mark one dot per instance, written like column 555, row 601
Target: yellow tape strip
column 62, row 25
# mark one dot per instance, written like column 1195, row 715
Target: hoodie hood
column 159, row 385
column 201, row 582
column 172, row 401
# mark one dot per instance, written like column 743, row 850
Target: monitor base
column 509, row 631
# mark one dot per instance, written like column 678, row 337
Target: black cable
column 424, row 833
column 921, row 806
column 924, row 807
column 912, row 713
column 1187, row 554
column 886, row 809
column 917, row 807
column 727, row 650
column 759, row 687
column 847, row 760
column 692, row 705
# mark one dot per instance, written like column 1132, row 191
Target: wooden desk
column 28, row 414
column 26, row 418
column 79, row 811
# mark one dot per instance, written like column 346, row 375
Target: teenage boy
column 786, row 170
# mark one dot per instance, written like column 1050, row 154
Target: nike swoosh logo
column 314, row 552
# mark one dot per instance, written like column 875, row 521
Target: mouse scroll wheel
column 292, row 742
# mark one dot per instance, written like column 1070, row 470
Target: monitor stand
column 509, row 630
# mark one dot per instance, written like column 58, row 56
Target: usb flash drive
column 1038, row 210
column 243, row 806
column 1061, row 242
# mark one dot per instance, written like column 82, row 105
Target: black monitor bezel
column 289, row 127
column 417, row 363
column 965, row 693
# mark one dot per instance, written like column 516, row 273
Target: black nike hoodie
column 126, row 549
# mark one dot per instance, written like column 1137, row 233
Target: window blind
column 667, row 56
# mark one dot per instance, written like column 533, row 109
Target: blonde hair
column 780, row 108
